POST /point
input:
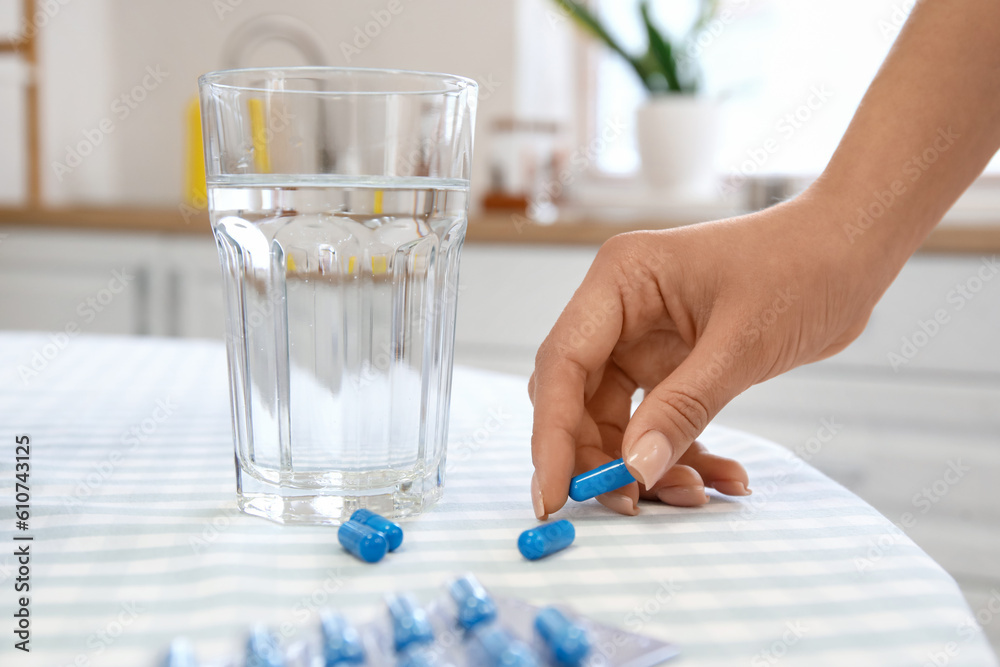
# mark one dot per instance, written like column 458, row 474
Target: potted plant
column 676, row 127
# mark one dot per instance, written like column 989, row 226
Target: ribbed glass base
column 307, row 507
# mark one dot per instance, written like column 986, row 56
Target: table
column 136, row 537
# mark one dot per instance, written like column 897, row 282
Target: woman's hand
column 693, row 316
column 696, row 315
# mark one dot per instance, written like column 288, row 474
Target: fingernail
column 731, row 487
column 682, row 496
column 620, row 503
column 537, row 502
column 649, row 458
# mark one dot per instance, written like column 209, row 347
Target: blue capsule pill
column 364, row 542
column 180, row 654
column 608, row 477
column 410, row 624
column 501, row 650
column 263, row 650
column 341, row 642
column 474, row 604
column 546, row 539
column 568, row 641
column 392, row 532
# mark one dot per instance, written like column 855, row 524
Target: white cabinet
column 194, row 279
column 99, row 283
column 509, row 297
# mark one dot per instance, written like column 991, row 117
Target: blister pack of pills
column 464, row 627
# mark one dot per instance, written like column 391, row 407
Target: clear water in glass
column 341, row 296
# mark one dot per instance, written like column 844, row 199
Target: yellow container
column 195, row 191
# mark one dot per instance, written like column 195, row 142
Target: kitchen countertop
column 483, row 228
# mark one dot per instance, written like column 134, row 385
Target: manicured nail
column 649, row 458
column 682, row 496
column 620, row 503
column 537, row 502
column 731, row 487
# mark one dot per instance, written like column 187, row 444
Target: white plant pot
column 677, row 137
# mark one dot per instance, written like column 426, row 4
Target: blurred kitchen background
column 98, row 174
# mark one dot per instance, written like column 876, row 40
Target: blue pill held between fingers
column 410, row 624
column 263, row 649
column 180, row 654
column 474, row 604
column 608, row 477
column 392, row 532
column 341, row 642
column 546, row 539
column 364, row 542
column 567, row 641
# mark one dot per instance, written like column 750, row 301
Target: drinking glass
column 339, row 204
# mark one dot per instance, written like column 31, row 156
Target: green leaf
column 707, row 11
column 589, row 23
column 661, row 51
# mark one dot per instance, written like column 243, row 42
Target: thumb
column 678, row 409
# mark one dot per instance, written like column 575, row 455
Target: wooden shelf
column 493, row 228
column 486, row 228
column 127, row 219
column 979, row 239
column 500, row 228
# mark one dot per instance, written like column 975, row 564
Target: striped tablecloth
column 136, row 537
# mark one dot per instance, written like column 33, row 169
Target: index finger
column 567, row 369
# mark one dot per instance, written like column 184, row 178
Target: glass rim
column 449, row 83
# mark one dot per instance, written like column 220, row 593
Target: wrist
column 873, row 226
